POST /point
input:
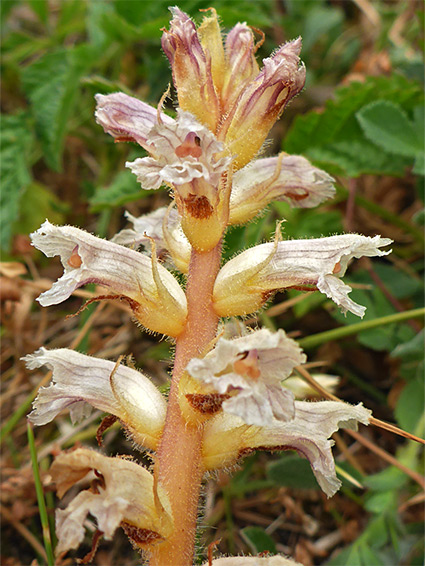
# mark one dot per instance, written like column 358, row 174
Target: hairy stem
column 178, row 465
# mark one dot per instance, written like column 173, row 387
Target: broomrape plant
column 228, row 395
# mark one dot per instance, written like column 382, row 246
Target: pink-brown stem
column 178, row 464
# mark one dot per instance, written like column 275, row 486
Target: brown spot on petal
column 295, row 196
column 106, row 423
column 140, row 537
column 124, row 138
column 337, row 268
column 75, row 260
column 206, row 404
column 198, row 207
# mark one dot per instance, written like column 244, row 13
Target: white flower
column 183, row 151
column 285, row 177
column 249, row 370
column 227, row 437
column 185, row 156
column 80, row 382
column 127, row 118
column 156, row 298
column 124, row 496
column 163, row 225
column 245, row 282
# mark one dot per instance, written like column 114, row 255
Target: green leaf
column 16, row 143
column 379, row 502
column 5, row 8
column 292, row 471
column 47, row 535
column 258, row 540
column 369, row 557
column 41, row 8
column 123, row 189
column 386, row 125
column 333, row 137
column 410, row 404
column 411, row 354
column 418, row 121
column 319, row 21
column 38, row 204
column 385, row 337
column 52, row 84
column 412, row 350
column 357, row 157
column 348, row 557
column 95, row 13
column 377, row 531
column 306, row 222
column 389, row 479
column 419, row 165
column 401, row 284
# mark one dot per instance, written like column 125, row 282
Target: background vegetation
column 360, row 118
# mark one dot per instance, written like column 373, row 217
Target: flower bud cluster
column 235, row 392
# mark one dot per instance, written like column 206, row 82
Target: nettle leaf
column 334, row 139
column 411, row 351
column 410, row 404
column 52, row 84
column 16, row 144
column 389, row 479
column 411, row 354
column 369, row 556
column 386, row 125
column 41, row 8
column 418, row 124
column 292, row 471
column 319, row 22
column 37, row 204
column 123, row 189
column 379, row 502
column 357, row 157
column 402, row 285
